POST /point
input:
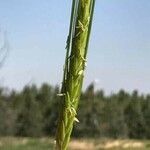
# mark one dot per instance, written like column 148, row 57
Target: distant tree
column 7, row 116
column 51, row 113
column 134, row 117
column 33, row 112
column 113, row 118
column 47, row 98
column 146, row 115
column 29, row 120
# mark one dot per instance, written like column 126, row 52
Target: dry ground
column 9, row 143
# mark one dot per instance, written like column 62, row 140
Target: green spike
column 77, row 45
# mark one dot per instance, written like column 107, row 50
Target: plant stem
column 77, row 45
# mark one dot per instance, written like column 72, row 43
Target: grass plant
column 77, row 46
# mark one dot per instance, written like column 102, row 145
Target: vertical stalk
column 77, row 45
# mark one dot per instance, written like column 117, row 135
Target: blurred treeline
column 34, row 111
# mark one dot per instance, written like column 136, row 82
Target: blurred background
column 115, row 102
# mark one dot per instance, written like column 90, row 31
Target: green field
column 86, row 144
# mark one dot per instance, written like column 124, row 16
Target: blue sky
column 119, row 52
